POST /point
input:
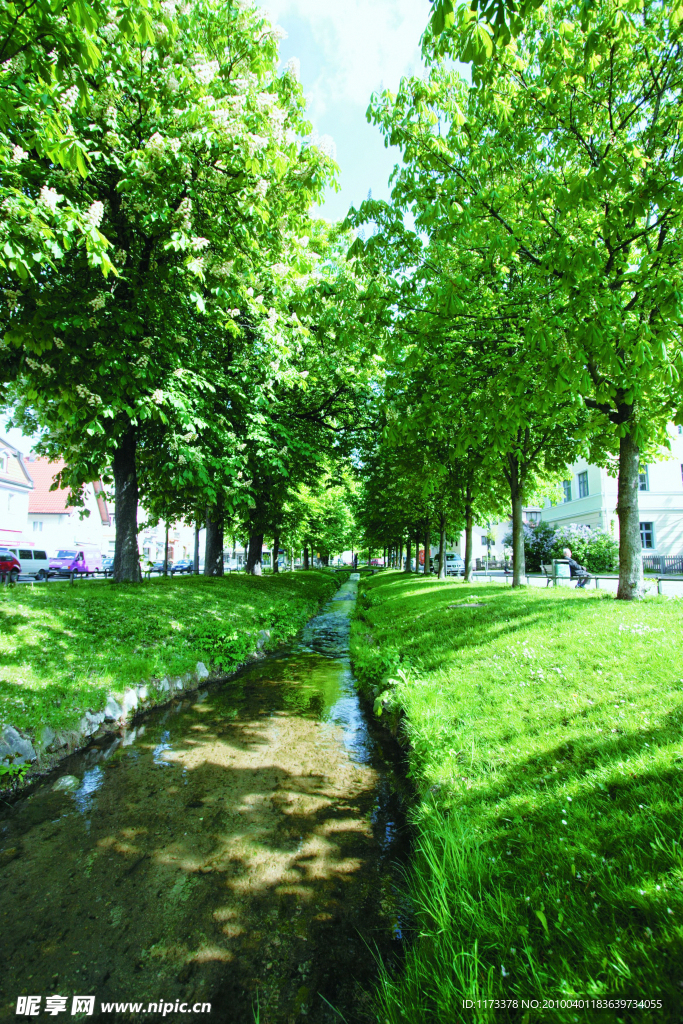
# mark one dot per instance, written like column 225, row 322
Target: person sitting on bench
column 575, row 570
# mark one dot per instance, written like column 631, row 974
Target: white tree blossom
column 206, row 71
column 50, row 197
column 95, row 214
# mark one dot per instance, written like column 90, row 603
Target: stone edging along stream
column 45, row 747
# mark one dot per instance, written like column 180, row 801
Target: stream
column 238, row 847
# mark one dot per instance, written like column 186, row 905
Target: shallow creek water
column 237, row 847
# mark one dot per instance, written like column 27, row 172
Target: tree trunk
column 442, row 547
column 213, row 551
column 255, row 555
column 417, row 550
column 630, row 558
column 166, row 550
column 469, row 524
column 195, row 561
column 126, row 557
column 428, row 570
column 305, row 558
column 399, row 565
column 517, row 496
column 292, row 559
column 276, row 552
column 408, row 552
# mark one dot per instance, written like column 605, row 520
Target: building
column 51, row 521
column 590, row 499
column 488, row 539
column 16, row 487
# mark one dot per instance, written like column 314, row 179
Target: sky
column 348, row 49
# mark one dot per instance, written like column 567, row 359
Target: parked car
column 107, row 565
column 182, row 565
column 377, row 561
column 82, row 559
column 9, row 563
column 33, row 562
column 455, row 565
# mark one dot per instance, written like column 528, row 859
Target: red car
column 9, row 563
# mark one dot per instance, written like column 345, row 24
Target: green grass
column 63, row 648
column 546, row 733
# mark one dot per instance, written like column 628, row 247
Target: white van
column 34, row 562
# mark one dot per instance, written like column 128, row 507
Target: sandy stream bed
column 238, row 848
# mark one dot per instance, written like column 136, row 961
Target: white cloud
column 363, row 45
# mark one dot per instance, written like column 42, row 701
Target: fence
column 663, row 564
column 493, row 563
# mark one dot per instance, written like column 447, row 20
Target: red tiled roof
column 41, row 499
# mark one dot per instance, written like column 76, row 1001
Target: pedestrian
column 576, row 571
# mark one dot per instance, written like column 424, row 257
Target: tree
column 48, row 51
column 201, row 177
column 585, row 110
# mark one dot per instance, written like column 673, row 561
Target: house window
column 583, row 484
column 567, row 485
column 483, row 542
column 643, row 481
column 533, row 517
column 37, row 527
column 3, row 463
column 647, row 535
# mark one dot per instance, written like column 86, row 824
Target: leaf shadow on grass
column 553, row 818
column 65, row 647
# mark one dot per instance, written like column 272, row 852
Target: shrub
column 594, row 548
column 538, row 545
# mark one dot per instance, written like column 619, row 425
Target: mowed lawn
column 546, row 733
column 63, row 647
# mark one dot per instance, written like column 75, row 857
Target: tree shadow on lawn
column 598, row 841
column 435, row 633
column 68, row 645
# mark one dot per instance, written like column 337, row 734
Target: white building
column 15, row 487
column 591, row 498
column 488, row 538
column 52, row 522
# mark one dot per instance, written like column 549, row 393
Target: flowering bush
column 592, row 547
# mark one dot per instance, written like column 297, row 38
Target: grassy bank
column 63, row 648
column 546, row 732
